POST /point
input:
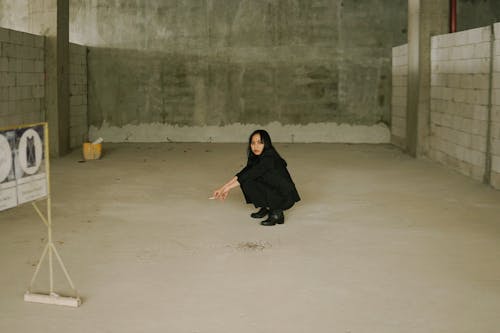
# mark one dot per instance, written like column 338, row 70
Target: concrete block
column 482, row 50
column 459, row 152
column 75, row 100
column 437, row 80
column 466, row 125
column 4, row 35
column 4, row 107
column 4, row 64
column 28, row 39
column 16, row 37
column 484, row 65
column 481, row 81
column 436, row 117
column 7, row 79
column 39, row 66
column 496, row 63
column 456, row 122
column 478, row 66
column 38, row 91
column 26, row 93
column 478, row 35
column 480, row 96
column 478, row 143
column 461, row 38
column 15, row 65
column 434, row 106
column 496, row 81
column 495, row 146
column 495, row 180
column 459, row 95
column 14, row 93
column 495, row 113
column 39, row 79
column 436, row 93
column 434, row 54
column 478, row 172
column 495, row 98
column 39, row 54
column 26, row 79
column 496, row 47
column 495, row 164
column 397, row 91
column 467, row 51
column 454, row 80
column 9, row 50
column 448, row 40
column 479, row 127
column 447, row 121
column 457, row 66
column 4, row 93
column 465, row 81
column 39, row 42
column 399, row 71
column 436, row 67
column 495, row 130
column 480, row 112
column 434, row 42
column 496, row 27
column 28, row 66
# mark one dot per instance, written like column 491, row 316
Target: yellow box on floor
column 92, row 151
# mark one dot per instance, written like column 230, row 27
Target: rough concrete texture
column 321, row 132
column 196, row 63
column 477, row 13
column 149, row 253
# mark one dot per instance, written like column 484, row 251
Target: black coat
column 266, row 182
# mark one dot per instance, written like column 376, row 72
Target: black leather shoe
column 275, row 217
column 260, row 214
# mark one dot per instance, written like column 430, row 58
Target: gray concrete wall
column 21, row 78
column 399, row 95
column 210, row 70
column 78, row 95
column 477, row 13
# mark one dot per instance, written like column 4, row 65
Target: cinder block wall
column 21, row 78
column 399, row 94
column 460, row 66
column 78, row 95
column 495, row 113
column 22, row 83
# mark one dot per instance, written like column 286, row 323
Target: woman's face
column 256, row 144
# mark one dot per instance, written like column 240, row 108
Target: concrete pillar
column 51, row 19
column 426, row 18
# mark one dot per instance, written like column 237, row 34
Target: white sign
column 22, row 168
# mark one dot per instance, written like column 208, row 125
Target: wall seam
column 487, row 163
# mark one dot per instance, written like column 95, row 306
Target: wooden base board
column 52, row 299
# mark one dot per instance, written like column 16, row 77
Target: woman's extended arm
column 222, row 192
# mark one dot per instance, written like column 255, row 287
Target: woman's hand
column 221, row 193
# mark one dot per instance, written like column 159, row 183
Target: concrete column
column 426, row 18
column 51, row 19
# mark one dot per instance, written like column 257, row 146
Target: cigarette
column 211, row 198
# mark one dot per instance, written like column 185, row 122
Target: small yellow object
column 92, row 151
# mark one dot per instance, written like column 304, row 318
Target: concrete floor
column 380, row 243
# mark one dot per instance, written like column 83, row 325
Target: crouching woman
column 264, row 181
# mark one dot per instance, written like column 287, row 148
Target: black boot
column 260, row 214
column 275, row 217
